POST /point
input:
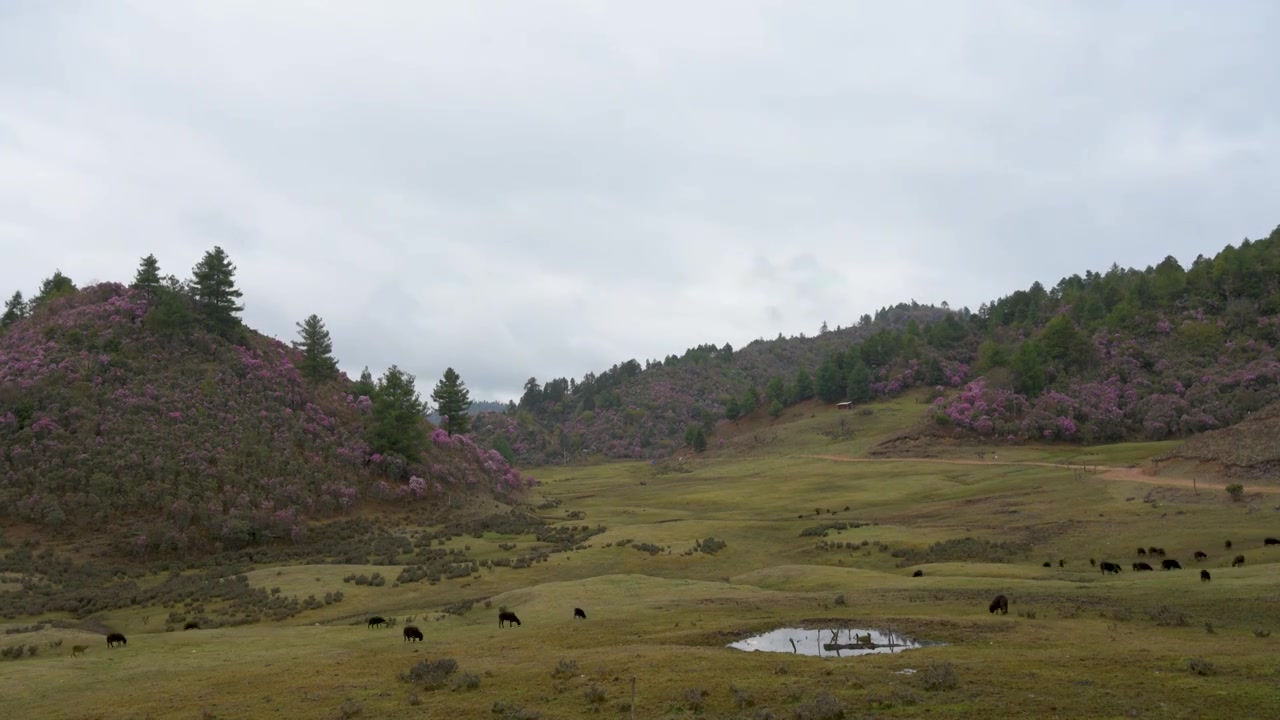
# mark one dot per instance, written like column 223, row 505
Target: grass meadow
column 1075, row 643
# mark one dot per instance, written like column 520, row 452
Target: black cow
column 1227, row 544
column 1271, row 541
column 412, row 634
column 1238, row 561
column 115, row 639
column 1048, row 564
column 376, row 621
column 579, row 613
column 918, row 573
column 1110, row 567
column 999, row 604
column 1170, row 564
column 1142, row 551
column 1137, row 567
column 1200, row 556
column 507, row 616
column 1062, row 563
column 1204, row 576
column 1093, row 563
column 193, row 625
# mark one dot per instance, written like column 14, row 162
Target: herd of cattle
column 1167, row 563
column 1000, row 604
column 505, row 617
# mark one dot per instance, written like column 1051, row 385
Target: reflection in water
column 836, row 642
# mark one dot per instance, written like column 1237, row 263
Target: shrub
column 505, row 711
column 1166, row 616
column 824, row 706
column 1200, row 666
column 430, row 674
column 710, row 546
column 466, row 681
column 595, row 694
column 695, row 699
column 565, row 669
column 939, row 677
column 1236, row 491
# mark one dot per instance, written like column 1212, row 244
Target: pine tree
column 452, row 402
column 532, row 396
column 750, row 401
column 364, row 386
column 732, row 410
column 148, row 277
column 504, row 449
column 803, row 389
column 776, row 389
column 830, row 386
column 214, row 288
column 699, row 439
column 55, row 286
column 398, row 412
column 775, row 409
column 318, row 362
column 14, row 310
column 859, row 382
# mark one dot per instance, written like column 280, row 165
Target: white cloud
column 545, row 189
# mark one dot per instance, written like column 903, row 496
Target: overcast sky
column 547, row 188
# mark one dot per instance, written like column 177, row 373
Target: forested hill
column 1162, row 352
column 641, row 411
column 152, row 407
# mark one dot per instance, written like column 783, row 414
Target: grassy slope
column 1090, row 651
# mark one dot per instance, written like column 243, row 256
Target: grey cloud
column 545, row 190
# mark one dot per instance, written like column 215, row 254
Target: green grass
column 1093, row 649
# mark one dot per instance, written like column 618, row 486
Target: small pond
column 842, row 642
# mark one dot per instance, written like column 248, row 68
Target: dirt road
column 1105, row 472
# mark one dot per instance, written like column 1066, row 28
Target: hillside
column 1160, row 353
column 119, row 408
column 1249, row 450
column 635, row 411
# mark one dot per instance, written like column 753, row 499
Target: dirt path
column 1107, row 472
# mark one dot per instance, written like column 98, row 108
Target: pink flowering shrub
column 100, row 417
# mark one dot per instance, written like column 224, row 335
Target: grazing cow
column 1238, row 561
column 377, row 620
column 507, row 616
column 193, row 625
column 1153, row 550
column 1142, row 551
column 579, row 613
column 1200, row 555
column 1110, row 567
column 1000, row 604
column 1271, row 541
column 1204, row 576
column 1170, row 564
column 78, row 650
column 1138, row 567
column 412, row 634
column 918, row 573
column 1048, row 564
column 115, row 639
column 1227, row 544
